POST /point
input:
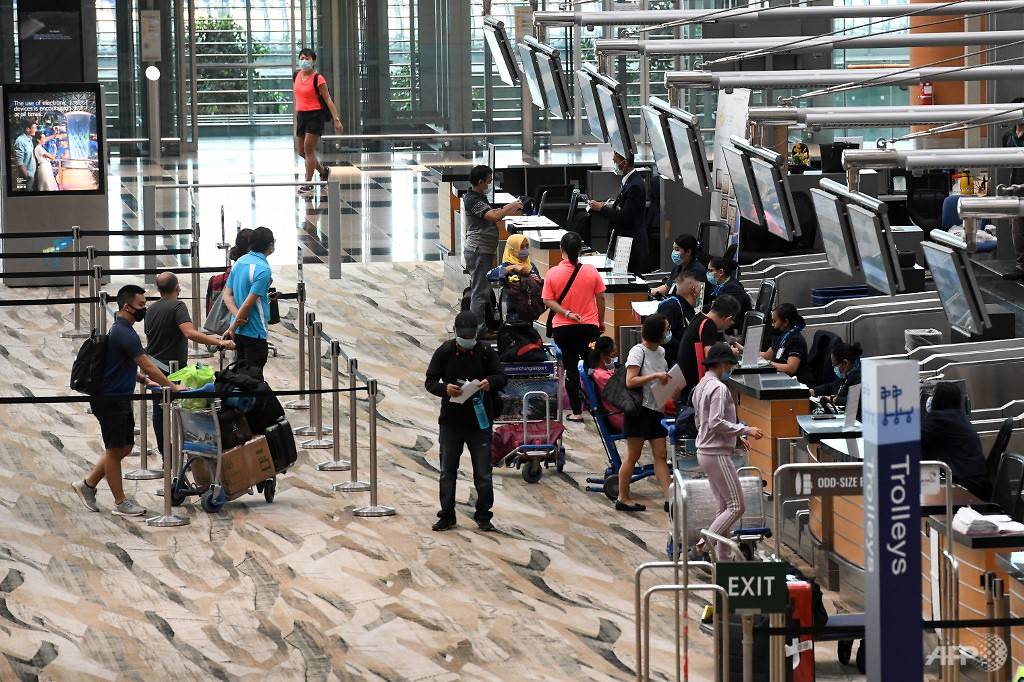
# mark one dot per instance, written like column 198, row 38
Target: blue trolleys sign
column 892, row 519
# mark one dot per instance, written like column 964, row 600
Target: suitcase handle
column 547, row 414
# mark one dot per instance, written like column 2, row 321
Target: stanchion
column 197, row 318
column 223, row 245
column 353, row 485
column 168, row 518
column 172, row 367
column 336, row 463
column 143, row 473
column 76, row 332
column 374, row 509
column 311, row 363
column 94, row 284
column 319, row 442
column 300, row 403
column 102, row 309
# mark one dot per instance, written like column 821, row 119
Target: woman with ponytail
column 789, row 347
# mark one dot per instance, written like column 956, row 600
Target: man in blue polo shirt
column 112, row 405
column 249, row 282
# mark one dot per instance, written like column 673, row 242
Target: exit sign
column 754, row 586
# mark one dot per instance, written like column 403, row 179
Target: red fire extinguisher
column 927, row 94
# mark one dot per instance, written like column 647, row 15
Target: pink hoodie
column 717, row 429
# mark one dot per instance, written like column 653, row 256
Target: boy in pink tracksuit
column 717, row 434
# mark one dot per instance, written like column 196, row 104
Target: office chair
column 999, row 445
column 1006, row 489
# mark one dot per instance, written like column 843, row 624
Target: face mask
column 711, row 278
column 140, row 314
column 726, row 375
column 465, row 344
column 928, row 404
column 839, row 372
column 677, row 258
column 524, row 254
column 618, row 171
column 305, row 64
column 668, row 337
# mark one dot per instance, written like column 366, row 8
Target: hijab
column 512, row 247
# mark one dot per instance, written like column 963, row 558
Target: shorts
column 117, row 422
column 311, row 122
column 645, row 424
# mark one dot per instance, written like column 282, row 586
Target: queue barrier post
column 353, row 485
column 149, row 225
column 310, row 363
column 197, row 314
column 223, row 245
column 336, row 463
column 143, row 473
column 76, row 332
column 93, row 284
column 168, row 519
column 374, row 509
column 102, row 309
column 300, row 403
column 318, row 442
column 169, row 453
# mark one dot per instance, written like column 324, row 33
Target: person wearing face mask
column 313, row 104
column 626, row 213
column 466, row 424
column 680, row 310
column 112, row 404
column 684, row 259
column 701, row 334
column 722, row 280
column 603, row 361
column 718, row 433
column 947, row 436
column 249, row 282
column 481, row 240
column 789, row 347
column 515, row 260
column 846, row 368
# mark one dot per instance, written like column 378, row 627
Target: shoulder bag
column 561, row 297
column 629, row 400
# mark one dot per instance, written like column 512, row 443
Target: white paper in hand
column 468, row 389
column 663, row 392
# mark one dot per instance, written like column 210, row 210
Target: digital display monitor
column 776, row 201
column 691, row 158
column 613, row 107
column 748, row 202
column 656, row 130
column 588, row 93
column 556, row 93
column 53, row 137
column 530, row 72
column 50, row 41
column 840, row 247
column 501, row 51
column 878, row 259
column 958, row 291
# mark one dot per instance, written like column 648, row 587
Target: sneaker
column 305, row 190
column 443, row 524
column 86, row 494
column 486, row 526
column 129, row 508
column 327, row 173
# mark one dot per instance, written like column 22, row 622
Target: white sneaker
column 305, row 190
column 86, row 494
column 129, row 508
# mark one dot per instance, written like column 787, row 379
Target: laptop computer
column 751, row 358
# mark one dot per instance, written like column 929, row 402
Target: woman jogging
column 717, row 431
column 313, row 105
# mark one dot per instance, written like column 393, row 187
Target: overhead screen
column 776, row 200
column 660, row 140
column 878, row 257
column 595, row 121
column 691, row 158
column 556, row 93
column 958, row 290
column 840, row 247
column 616, row 120
column 748, row 203
column 532, row 75
column 501, row 51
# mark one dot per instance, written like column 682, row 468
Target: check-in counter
column 1013, row 564
column 771, row 402
column 545, row 248
column 621, row 291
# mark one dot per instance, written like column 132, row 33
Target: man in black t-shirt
column 679, row 310
column 704, row 332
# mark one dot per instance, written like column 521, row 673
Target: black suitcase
column 234, row 428
column 281, row 442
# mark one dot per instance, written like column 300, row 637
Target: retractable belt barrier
column 53, row 399
column 82, row 254
column 856, row 633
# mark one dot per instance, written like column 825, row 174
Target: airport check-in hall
column 512, row 340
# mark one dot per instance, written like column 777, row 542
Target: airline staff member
column 789, row 348
column 626, row 213
column 722, row 278
column 684, row 259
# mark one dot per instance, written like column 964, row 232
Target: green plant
column 224, row 90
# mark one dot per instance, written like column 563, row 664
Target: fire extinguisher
column 927, row 95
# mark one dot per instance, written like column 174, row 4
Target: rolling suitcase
column 282, row 444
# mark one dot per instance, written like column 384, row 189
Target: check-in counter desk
column 1013, row 564
column 771, row 402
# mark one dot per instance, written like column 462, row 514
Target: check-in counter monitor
column 616, row 119
column 878, row 258
column 552, row 78
column 958, row 289
column 836, row 236
column 770, row 180
column 531, row 73
column 677, row 145
column 657, row 130
column 748, row 202
column 501, row 51
column 587, row 78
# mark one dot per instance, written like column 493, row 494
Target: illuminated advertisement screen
column 53, row 139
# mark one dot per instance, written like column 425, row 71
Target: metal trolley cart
column 526, row 435
column 199, row 442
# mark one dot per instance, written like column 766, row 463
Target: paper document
column 623, row 249
column 645, row 308
column 664, row 392
column 468, row 389
column 752, row 346
column 852, row 405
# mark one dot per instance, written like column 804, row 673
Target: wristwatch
column 568, row 314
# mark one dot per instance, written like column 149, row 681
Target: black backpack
column 88, row 369
column 520, row 342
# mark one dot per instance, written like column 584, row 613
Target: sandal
column 575, row 418
column 622, row 506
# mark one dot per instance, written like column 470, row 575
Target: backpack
column 520, row 342
column 524, row 298
column 214, row 287
column 492, row 319
column 317, row 79
column 261, row 411
column 88, row 369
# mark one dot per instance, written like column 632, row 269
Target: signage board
column 754, row 586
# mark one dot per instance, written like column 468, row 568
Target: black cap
column 719, row 353
column 466, row 324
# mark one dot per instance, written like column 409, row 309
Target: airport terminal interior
column 512, row 340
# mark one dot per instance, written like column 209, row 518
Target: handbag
column 550, row 325
column 629, row 400
column 219, row 318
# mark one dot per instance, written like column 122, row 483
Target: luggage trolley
column 525, row 434
column 199, row 433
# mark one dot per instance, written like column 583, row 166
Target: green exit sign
column 754, row 586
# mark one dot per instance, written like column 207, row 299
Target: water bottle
column 481, row 413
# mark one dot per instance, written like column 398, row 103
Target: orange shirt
column 305, row 92
column 580, row 298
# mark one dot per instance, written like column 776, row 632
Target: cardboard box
column 241, row 468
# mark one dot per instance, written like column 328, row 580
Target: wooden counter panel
column 1016, row 611
column 814, row 506
column 620, row 317
column 853, row 552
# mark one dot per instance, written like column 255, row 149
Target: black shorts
column 645, row 424
column 117, row 422
column 311, row 122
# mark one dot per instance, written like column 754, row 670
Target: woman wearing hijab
column 515, row 260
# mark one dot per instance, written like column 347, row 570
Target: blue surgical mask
column 524, row 254
column 726, row 375
column 677, row 258
column 711, row 278
column 306, row 64
column 465, row 344
column 839, row 372
column 928, row 404
column 668, row 336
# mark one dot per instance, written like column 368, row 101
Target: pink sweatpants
column 725, row 486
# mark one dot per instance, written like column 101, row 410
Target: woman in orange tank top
column 312, row 105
